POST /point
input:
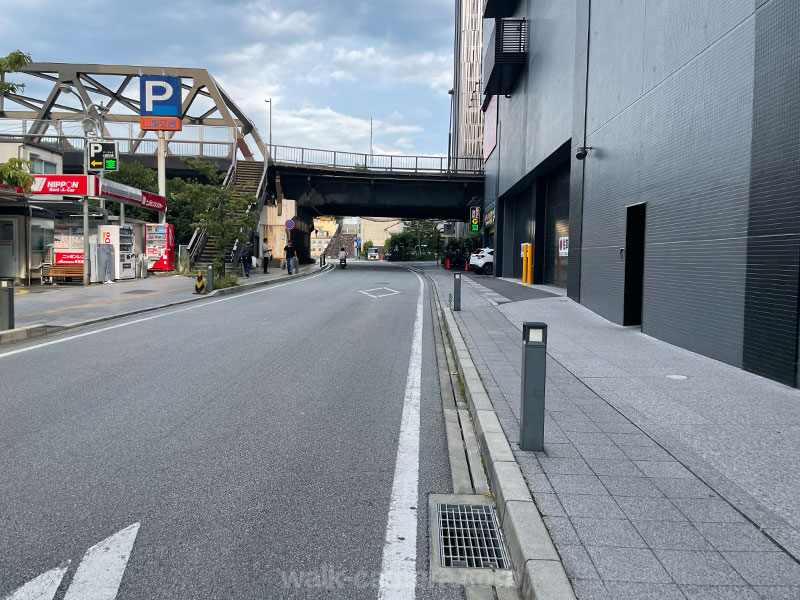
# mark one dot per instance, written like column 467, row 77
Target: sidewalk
column 69, row 304
column 655, row 457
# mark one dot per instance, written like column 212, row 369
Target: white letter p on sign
column 150, row 96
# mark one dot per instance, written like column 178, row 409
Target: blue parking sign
column 159, row 96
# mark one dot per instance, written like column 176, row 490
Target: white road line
column 44, row 587
column 101, row 570
column 158, row 316
column 399, row 567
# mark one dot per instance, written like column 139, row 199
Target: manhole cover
column 469, row 537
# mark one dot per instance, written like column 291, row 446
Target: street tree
column 221, row 211
column 14, row 173
column 12, row 63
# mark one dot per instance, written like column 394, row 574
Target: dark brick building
column 684, row 216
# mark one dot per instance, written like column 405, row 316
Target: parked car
column 482, row 261
column 373, row 254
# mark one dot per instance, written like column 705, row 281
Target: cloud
column 268, row 21
column 390, row 63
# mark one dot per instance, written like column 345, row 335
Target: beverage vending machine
column 121, row 239
column 160, row 246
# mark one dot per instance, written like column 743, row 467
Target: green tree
column 14, row 174
column 221, row 211
column 423, row 237
column 365, row 247
column 12, row 63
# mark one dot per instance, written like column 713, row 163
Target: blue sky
column 329, row 65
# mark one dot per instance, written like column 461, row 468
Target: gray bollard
column 457, row 291
column 6, row 305
column 534, row 373
column 210, row 279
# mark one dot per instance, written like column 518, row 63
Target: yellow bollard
column 200, row 284
column 525, row 259
column 530, row 264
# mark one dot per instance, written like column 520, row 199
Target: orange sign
column 160, row 124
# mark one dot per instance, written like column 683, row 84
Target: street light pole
column 270, row 124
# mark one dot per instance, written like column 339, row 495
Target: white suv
column 482, row 261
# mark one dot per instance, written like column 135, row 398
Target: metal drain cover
column 469, row 536
column 466, row 543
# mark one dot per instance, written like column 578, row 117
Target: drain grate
column 469, row 537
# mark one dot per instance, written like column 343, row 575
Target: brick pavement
column 628, row 518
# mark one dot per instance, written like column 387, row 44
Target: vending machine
column 160, row 246
column 121, row 239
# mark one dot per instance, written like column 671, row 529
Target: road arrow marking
column 100, row 572
column 44, row 587
column 97, row 578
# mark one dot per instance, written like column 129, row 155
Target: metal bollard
column 457, row 291
column 210, row 279
column 534, row 373
column 6, row 305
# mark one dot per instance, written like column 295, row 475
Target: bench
column 63, row 271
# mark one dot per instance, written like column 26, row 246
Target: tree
column 14, row 174
column 13, row 63
column 365, row 247
column 424, row 238
column 221, row 211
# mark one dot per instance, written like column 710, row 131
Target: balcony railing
column 506, row 56
column 496, row 9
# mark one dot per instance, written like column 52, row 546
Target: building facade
column 684, row 215
column 467, row 117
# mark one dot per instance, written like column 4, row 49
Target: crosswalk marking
column 44, row 587
column 100, row 572
column 97, row 578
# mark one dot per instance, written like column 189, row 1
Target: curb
column 537, row 565
column 21, row 334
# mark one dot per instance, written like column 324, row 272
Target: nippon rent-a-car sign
column 67, row 185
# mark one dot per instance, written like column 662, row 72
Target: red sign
column 160, row 124
column 130, row 195
column 69, row 258
column 289, row 224
column 71, row 185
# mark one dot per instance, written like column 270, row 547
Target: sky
column 328, row 65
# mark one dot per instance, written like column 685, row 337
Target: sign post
column 160, row 110
column 534, row 377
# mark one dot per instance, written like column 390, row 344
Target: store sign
column 130, row 195
column 563, row 246
column 69, row 258
column 490, row 129
column 488, row 218
column 475, row 218
column 70, row 185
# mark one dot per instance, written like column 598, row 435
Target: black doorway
column 634, row 265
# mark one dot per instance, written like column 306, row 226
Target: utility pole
column 270, row 125
column 370, row 136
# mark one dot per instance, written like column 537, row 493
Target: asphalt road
column 253, row 439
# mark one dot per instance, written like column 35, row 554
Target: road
column 241, row 447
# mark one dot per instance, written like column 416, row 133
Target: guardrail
column 375, row 162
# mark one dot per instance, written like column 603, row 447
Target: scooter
column 342, row 263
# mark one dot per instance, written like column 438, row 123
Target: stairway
column 341, row 240
column 248, row 176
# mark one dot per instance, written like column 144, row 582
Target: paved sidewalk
column 653, row 454
column 70, row 303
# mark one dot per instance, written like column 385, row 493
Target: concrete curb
column 537, row 565
column 21, row 334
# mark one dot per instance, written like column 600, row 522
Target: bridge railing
column 358, row 161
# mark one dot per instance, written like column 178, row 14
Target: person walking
column 247, row 259
column 291, row 257
column 266, row 254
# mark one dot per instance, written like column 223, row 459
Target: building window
column 43, row 167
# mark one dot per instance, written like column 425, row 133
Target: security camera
column 582, row 152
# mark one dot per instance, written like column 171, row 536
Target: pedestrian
column 266, row 254
column 247, row 259
column 291, row 257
